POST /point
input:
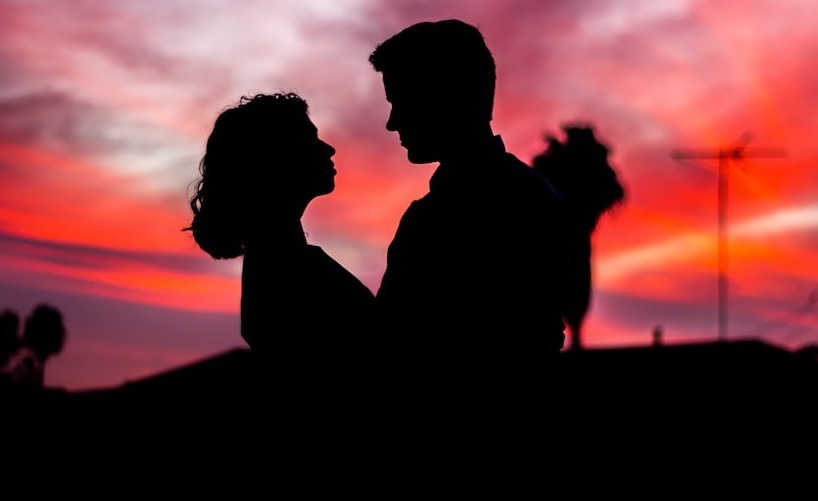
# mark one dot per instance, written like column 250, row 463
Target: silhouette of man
column 473, row 275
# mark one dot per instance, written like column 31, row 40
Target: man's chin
column 417, row 157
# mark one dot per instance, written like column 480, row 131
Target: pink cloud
column 105, row 110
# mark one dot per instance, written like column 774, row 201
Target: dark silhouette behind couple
column 579, row 169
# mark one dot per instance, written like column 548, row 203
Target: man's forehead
column 408, row 86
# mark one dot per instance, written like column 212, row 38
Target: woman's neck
column 278, row 231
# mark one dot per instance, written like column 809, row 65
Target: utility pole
column 734, row 153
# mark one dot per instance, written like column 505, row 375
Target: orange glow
column 137, row 283
column 84, row 204
column 102, row 126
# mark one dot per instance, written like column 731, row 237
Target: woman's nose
column 330, row 149
column 391, row 122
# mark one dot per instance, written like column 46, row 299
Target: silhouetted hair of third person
column 580, row 170
column 474, row 271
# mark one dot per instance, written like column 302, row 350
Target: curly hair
column 240, row 136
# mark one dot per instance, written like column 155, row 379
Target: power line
column 725, row 155
column 787, row 318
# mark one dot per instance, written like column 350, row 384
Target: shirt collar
column 470, row 165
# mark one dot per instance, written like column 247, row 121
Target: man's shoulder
column 529, row 181
column 417, row 209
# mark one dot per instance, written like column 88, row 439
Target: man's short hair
column 449, row 56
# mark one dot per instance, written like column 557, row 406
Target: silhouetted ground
column 716, row 403
column 715, row 376
column 736, row 372
column 744, row 387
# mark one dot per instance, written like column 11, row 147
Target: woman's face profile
column 301, row 164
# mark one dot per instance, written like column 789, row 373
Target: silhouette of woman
column 303, row 315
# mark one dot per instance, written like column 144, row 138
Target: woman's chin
column 326, row 190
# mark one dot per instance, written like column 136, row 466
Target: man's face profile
column 418, row 117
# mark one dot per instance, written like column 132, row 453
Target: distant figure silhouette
column 43, row 337
column 9, row 335
column 579, row 169
column 9, row 344
column 303, row 315
column 475, row 269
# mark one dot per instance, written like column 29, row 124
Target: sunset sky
column 105, row 108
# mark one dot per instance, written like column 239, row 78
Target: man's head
column 439, row 77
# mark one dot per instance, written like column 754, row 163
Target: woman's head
column 263, row 156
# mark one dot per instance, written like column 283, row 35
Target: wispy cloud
column 105, row 109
